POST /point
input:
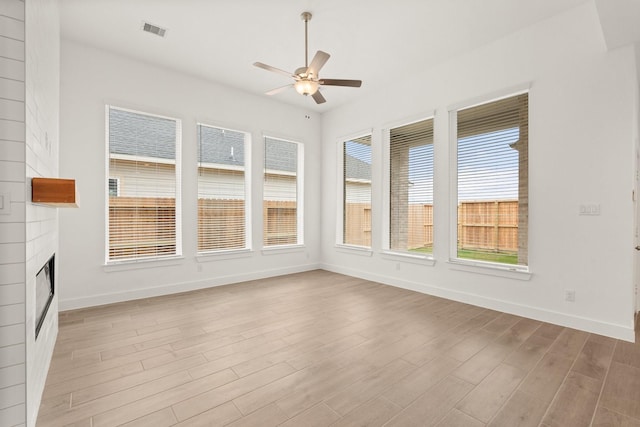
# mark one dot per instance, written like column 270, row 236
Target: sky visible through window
column 358, row 150
column 487, row 167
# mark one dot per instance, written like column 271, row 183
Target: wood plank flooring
column 323, row 349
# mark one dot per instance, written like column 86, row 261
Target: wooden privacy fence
column 357, row 224
column 141, row 227
column 279, row 222
column 482, row 225
column 145, row 226
column 488, row 225
column 420, row 233
column 220, row 224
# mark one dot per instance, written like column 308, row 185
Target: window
column 492, row 181
column 114, row 186
column 223, row 165
column 356, row 191
column 411, row 188
column 144, row 214
column 282, row 192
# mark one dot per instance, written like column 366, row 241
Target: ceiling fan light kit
column 307, row 81
column 306, row 87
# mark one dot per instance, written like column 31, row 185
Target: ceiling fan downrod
column 306, row 17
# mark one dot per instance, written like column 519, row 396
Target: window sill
column 224, row 254
column 282, row 249
column 409, row 257
column 511, row 272
column 113, row 266
column 356, row 250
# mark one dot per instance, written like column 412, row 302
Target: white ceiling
column 375, row 41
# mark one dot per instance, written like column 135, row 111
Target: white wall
column 12, row 217
column 91, row 78
column 580, row 148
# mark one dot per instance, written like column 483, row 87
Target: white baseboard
column 622, row 332
column 110, row 298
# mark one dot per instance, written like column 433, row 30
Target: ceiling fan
column 307, row 79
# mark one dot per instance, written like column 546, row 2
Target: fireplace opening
column 44, row 291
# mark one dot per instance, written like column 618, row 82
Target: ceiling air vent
column 153, row 29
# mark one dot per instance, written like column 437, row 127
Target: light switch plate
column 5, row 203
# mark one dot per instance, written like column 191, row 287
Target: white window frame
column 521, row 272
column 427, row 259
column 299, row 194
column 363, row 250
column 248, row 244
column 178, row 198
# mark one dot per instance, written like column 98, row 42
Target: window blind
column 493, row 181
column 144, row 213
column 356, row 179
column 280, row 192
column 222, row 187
column 411, row 187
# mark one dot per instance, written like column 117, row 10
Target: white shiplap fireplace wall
column 12, row 215
column 29, row 115
column 42, row 119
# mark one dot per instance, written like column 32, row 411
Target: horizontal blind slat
column 221, row 188
column 492, row 181
column 280, row 192
column 357, row 191
column 411, row 187
column 142, row 185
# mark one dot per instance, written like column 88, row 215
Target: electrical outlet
column 570, row 295
column 199, row 268
column 397, row 266
column 592, row 210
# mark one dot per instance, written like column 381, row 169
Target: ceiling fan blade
column 278, row 89
column 318, row 98
column 274, row 69
column 341, row 82
column 318, row 62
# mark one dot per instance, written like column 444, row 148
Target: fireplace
column 44, row 291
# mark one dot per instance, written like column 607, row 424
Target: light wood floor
column 319, row 349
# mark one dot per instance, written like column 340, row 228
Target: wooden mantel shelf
column 54, row 192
